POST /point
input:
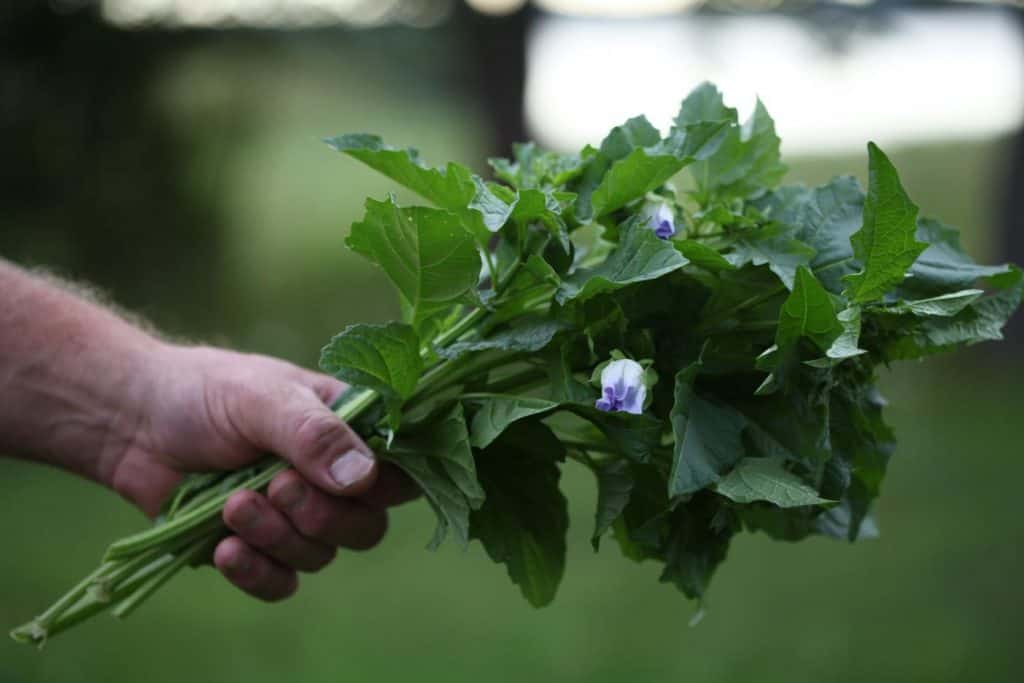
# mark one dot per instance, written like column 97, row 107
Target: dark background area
column 181, row 171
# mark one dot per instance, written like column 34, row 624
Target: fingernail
column 350, row 468
column 247, row 516
column 291, row 495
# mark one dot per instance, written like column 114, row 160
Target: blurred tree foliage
column 95, row 183
column 91, row 184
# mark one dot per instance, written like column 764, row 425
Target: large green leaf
column 647, row 168
column 453, row 187
column 427, row 254
column 445, row 438
column 943, row 266
column 385, row 358
column 824, row 218
column 708, row 438
column 525, row 518
column 633, row 160
column 745, row 164
column 497, row 411
column 444, row 496
column 639, row 256
column 766, row 479
column 771, row 246
column 697, row 539
column 449, row 188
column 885, row 243
column 614, row 485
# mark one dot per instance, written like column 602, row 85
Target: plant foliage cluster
column 748, row 320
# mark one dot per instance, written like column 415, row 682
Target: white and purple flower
column 659, row 217
column 622, row 387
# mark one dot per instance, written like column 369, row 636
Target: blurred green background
column 189, row 182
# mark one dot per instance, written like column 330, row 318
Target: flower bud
column 659, row 217
column 622, row 387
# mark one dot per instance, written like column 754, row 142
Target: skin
column 84, row 390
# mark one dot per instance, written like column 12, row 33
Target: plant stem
column 519, row 380
column 131, row 545
column 194, row 551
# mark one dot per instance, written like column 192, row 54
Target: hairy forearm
column 70, row 375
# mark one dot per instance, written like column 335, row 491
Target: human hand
column 207, row 409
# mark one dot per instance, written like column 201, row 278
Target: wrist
column 75, row 373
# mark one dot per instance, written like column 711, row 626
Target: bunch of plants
column 657, row 310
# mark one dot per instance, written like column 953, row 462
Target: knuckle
column 319, row 522
column 318, row 434
column 237, row 505
column 276, row 537
column 281, row 482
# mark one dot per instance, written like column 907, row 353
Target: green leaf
column 614, row 485
column 770, row 246
column 526, row 335
column 698, row 536
column 944, row 305
column 647, row 168
column 766, row 479
column 633, row 160
column 498, row 411
column 745, row 164
column 524, row 521
column 384, row 358
column 846, row 345
column 702, row 255
column 494, row 210
column 445, row 498
column 621, row 140
column 563, row 387
column 446, row 439
column 885, row 244
column 704, row 103
column 843, row 522
column 808, row 312
column 635, row 437
column 639, row 531
column 426, row 253
column 982, row 320
column 943, row 266
column 533, row 168
column 523, row 206
column 449, row 188
column 640, row 256
column 823, row 218
column 708, row 438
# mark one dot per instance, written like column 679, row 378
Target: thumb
column 304, row 431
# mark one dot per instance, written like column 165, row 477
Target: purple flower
column 622, row 387
column 659, row 217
